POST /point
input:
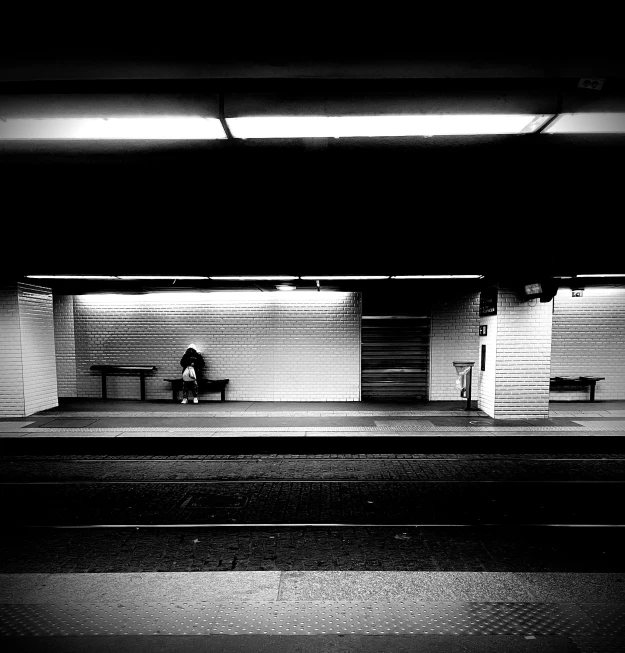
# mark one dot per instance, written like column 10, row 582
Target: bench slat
column 105, row 369
column 215, row 385
column 112, row 368
column 590, row 381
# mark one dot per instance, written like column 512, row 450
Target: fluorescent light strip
column 340, row 278
column 254, row 278
column 601, row 275
column 587, row 123
column 439, row 276
column 405, row 125
column 114, row 128
column 68, row 276
column 117, row 278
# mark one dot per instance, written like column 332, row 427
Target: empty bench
column 585, row 381
column 204, row 385
column 108, row 369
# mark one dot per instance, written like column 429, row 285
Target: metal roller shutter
column 395, row 351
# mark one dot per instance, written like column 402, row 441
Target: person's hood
column 192, row 346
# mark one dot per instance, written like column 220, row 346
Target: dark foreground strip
column 312, row 503
column 305, row 469
column 313, row 548
column 180, row 445
column 314, row 644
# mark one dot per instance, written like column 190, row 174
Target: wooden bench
column 204, row 385
column 586, row 381
column 108, row 369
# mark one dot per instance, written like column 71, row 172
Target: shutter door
column 395, row 353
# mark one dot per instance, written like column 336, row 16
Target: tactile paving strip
column 381, row 427
column 591, row 644
column 305, row 618
column 195, row 412
column 609, row 617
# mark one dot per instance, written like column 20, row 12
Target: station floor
column 123, row 418
column 262, row 526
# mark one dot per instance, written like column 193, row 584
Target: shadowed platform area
column 310, row 527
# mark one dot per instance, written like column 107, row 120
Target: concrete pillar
column 515, row 382
column 27, row 352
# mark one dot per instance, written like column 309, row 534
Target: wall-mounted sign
column 483, row 329
column 577, row 293
column 488, row 301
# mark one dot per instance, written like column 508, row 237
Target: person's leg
column 185, row 391
column 194, row 390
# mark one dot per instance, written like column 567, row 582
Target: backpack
column 188, row 374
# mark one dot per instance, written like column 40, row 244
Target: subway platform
column 290, row 426
column 258, row 526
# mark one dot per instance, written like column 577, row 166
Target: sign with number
column 488, row 301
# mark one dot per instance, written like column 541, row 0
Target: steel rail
column 298, row 480
column 312, row 459
column 317, row 525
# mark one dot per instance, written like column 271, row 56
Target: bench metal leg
column 103, row 385
column 592, row 390
column 223, row 394
column 142, row 375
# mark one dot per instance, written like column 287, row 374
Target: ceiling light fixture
column 342, row 278
column 380, row 126
column 110, row 116
column 587, row 123
column 117, row 278
column 255, row 278
column 113, row 128
column 438, row 276
column 601, row 275
column 68, row 276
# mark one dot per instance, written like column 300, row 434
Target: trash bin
column 464, row 377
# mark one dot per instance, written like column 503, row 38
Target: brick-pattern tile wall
column 589, row 339
column 454, row 336
column 38, row 351
column 11, row 380
column 64, row 338
column 523, row 357
column 272, row 346
column 486, row 378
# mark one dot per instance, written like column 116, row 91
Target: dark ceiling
column 485, row 205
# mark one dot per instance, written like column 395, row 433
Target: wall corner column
column 515, row 381
column 27, row 354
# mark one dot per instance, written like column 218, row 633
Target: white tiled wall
column 454, row 336
column 27, row 352
column 523, row 357
column 272, row 346
column 38, row 350
column 589, row 339
column 65, row 345
column 11, row 379
column 487, row 377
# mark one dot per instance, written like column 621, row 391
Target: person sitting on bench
column 194, row 360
